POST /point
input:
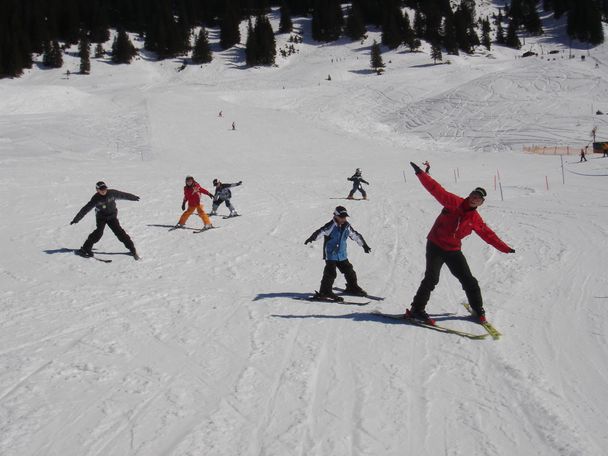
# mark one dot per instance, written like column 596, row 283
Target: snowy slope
column 199, row 348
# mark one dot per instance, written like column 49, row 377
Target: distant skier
column 427, row 167
column 457, row 220
column 106, row 213
column 335, row 234
column 357, row 179
column 223, row 195
column 220, row 114
column 192, row 195
column 583, row 158
column 234, row 125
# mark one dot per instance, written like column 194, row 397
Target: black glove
column 366, row 248
column 137, row 198
column 416, row 167
column 73, row 222
column 308, row 241
column 210, row 196
column 183, row 205
column 239, row 182
column 512, row 251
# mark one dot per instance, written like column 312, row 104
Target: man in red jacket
column 457, row 220
column 192, row 195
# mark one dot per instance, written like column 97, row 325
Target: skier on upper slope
column 335, row 234
column 106, row 213
column 192, row 195
column 357, row 179
column 223, row 195
column 458, row 218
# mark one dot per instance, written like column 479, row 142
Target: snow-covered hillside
column 200, row 348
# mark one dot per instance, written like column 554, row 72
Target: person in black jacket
column 356, row 179
column 223, row 195
column 106, row 213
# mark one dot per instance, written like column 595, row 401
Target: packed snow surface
column 201, row 349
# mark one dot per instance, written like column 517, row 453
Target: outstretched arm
column 445, row 198
column 358, row 238
column 485, row 233
column 124, row 195
column 82, row 212
column 323, row 231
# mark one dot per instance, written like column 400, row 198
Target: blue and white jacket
column 334, row 245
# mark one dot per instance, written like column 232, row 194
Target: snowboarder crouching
column 335, row 234
column 223, row 195
column 192, row 195
column 356, row 179
column 457, row 220
column 106, row 213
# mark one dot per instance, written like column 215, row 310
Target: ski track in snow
column 199, row 347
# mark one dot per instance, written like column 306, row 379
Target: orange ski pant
column 201, row 213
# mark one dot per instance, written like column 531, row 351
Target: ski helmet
column 480, row 191
column 215, row 182
column 340, row 211
column 101, row 185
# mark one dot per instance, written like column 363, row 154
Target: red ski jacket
column 193, row 194
column 457, row 220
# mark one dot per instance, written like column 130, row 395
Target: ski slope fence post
column 547, row 183
column 502, row 198
column 404, row 179
column 455, row 179
column 458, row 172
column 563, row 174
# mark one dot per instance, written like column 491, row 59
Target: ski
column 350, row 199
column 492, row 331
column 442, row 329
column 315, row 298
column 202, row 230
column 368, row 296
column 103, row 260
column 230, row 216
column 177, row 227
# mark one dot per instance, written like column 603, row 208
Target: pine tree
column 327, row 20
column 264, row 34
column 56, row 60
column 123, row 50
column 500, row 34
column 485, row 34
column 285, row 25
column 251, row 50
column 99, row 52
column 391, row 26
column 450, row 43
column 84, row 51
column 376, row 57
column 202, row 51
column 419, row 21
column 436, row 52
column 229, row 25
column 355, row 27
column 47, row 54
column 512, row 40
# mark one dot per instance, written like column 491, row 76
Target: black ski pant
column 436, row 257
column 357, row 186
column 330, row 274
column 118, row 231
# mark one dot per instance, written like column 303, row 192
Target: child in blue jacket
column 335, row 234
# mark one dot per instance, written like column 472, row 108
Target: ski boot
column 419, row 315
column 84, row 252
column 330, row 296
column 355, row 290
